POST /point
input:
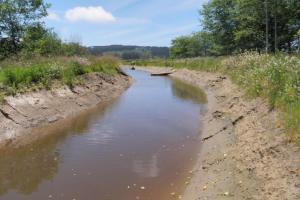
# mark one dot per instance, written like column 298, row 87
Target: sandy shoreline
column 245, row 154
column 22, row 114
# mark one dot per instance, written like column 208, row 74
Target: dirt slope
column 24, row 112
column 244, row 153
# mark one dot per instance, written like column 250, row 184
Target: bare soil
column 245, row 154
column 23, row 114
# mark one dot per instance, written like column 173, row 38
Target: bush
column 72, row 49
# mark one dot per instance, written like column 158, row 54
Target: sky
column 126, row 22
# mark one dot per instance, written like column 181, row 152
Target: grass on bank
column 41, row 73
column 273, row 77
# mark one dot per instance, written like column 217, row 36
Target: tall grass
column 273, row 77
column 21, row 76
column 206, row 63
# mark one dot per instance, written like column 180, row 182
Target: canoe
column 162, row 74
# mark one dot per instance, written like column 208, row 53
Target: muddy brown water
column 142, row 145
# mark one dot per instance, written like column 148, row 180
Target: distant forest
column 130, row 52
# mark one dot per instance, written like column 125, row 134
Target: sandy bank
column 22, row 114
column 245, row 154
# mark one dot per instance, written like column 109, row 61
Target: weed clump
column 42, row 74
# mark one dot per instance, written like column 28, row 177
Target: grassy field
column 273, row 77
column 41, row 73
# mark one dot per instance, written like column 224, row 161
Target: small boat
column 162, row 73
column 132, row 68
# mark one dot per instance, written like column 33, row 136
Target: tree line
column 234, row 26
column 23, row 32
column 130, row 52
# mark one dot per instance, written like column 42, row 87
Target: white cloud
column 53, row 16
column 89, row 14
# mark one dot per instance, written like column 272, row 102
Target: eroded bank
column 21, row 114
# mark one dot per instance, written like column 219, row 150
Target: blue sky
column 128, row 22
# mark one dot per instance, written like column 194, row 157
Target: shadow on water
column 24, row 168
column 188, row 92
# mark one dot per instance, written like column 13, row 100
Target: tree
column 180, row 47
column 206, row 44
column 194, row 45
column 15, row 17
column 219, row 20
column 250, row 31
column 251, row 24
column 41, row 41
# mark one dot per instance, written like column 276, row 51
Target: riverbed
column 142, row 145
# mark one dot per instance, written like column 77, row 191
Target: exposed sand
column 22, row 114
column 245, row 154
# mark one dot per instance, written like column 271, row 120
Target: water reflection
column 188, row 92
column 146, row 168
column 24, row 168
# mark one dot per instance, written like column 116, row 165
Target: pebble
column 226, row 193
column 142, row 188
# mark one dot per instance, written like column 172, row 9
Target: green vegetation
column 200, row 63
column 273, row 77
column 43, row 73
column 33, row 57
column 231, row 27
column 22, row 33
column 16, row 17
